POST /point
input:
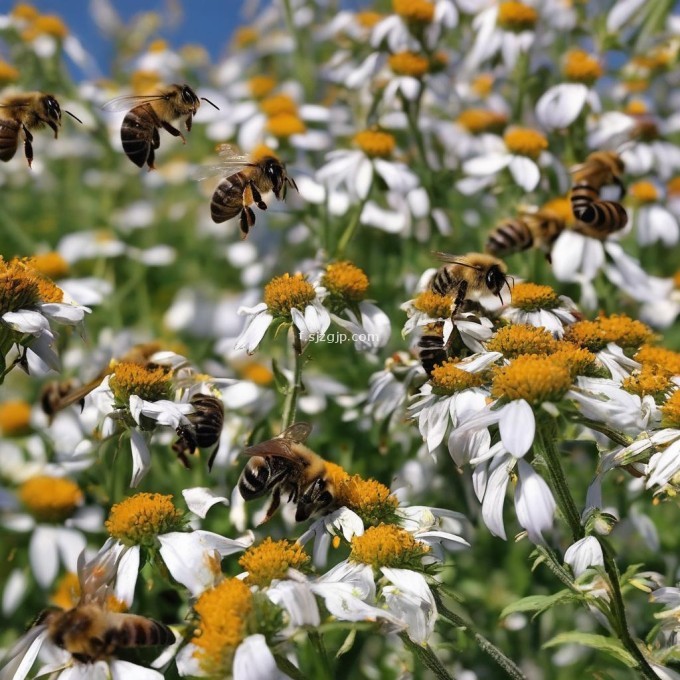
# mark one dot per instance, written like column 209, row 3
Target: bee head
column 52, row 108
column 315, row 498
column 495, row 280
column 275, row 170
column 189, row 97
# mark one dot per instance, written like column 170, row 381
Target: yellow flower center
column 409, row 64
column 15, row 417
column 158, row 45
column 676, row 279
column 560, row 207
column 525, row 142
column 414, row 11
column 618, row 328
column 368, row 19
column 336, row 474
column 449, row 379
column 223, row 612
column 22, row 288
column 476, row 121
column 659, row 357
column 145, row 81
column 434, row 305
column 50, row 499
column 533, row 378
column 636, row 107
column 516, row 340
column 375, row 144
column 24, row 12
column 150, row 384
column 7, row 72
column 46, row 24
column 278, row 104
column 52, row 265
column 531, row 297
column 581, row 67
column 650, row 380
column 577, row 360
column 194, row 55
column 244, row 36
column 138, row 519
column 370, row 499
column 285, row 125
column 388, row 545
column 516, row 16
column 670, row 411
column 482, row 85
column 67, row 593
column 257, row 373
column 261, row 86
column 345, row 281
column 643, row 192
column 271, row 560
column 286, row 292
column 673, row 186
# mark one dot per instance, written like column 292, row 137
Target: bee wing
column 454, row 259
column 96, row 576
column 129, row 101
column 224, row 169
column 273, row 447
column 297, row 432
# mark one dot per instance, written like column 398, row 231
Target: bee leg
column 247, row 220
column 273, row 506
column 257, row 197
column 28, row 147
column 54, row 127
column 173, row 131
column 213, row 455
column 460, row 298
column 188, row 122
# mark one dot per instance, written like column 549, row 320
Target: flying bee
column 148, row 113
column 89, row 631
column 249, row 178
column 530, row 229
column 25, row 112
column 204, row 429
column 285, row 465
column 468, row 277
column 600, row 169
column 600, row 219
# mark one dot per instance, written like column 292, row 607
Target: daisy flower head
column 652, row 219
column 288, row 300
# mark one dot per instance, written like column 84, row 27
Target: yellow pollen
column 271, row 560
column 158, row 45
column 560, row 207
column 223, row 612
column 375, row 143
column 46, row 24
column 368, row 19
column 336, row 541
column 370, row 499
column 636, row 107
column 449, row 379
column 673, row 186
column 635, row 85
column 482, row 85
column 335, row 474
column 533, row 378
column 409, row 64
column 150, row 384
column 434, row 305
column 7, row 72
column 278, row 104
column 245, row 36
column 618, row 328
column 643, row 192
column 48, row 291
column 50, row 499
column 285, row 125
column 286, row 292
column 659, row 357
column 577, row 360
column 145, row 82
column 581, row 67
column 345, row 281
column 52, row 265
column 676, row 280
column 650, row 380
column 19, row 287
column 388, row 545
column 24, row 12
column 525, row 142
column 67, row 593
column 670, row 411
column 414, row 11
column 476, row 121
column 531, row 297
column 516, row 16
column 256, row 373
column 261, row 86
column 15, row 417
column 138, row 519
column 516, row 340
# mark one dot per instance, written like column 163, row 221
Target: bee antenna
column 211, row 104
column 72, row 116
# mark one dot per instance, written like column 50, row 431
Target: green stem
column 485, row 645
column 320, row 648
column 427, row 656
column 348, row 234
column 288, row 668
column 614, row 435
column 290, row 405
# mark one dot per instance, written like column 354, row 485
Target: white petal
column 128, row 571
column 124, row 670
column 23, row 654
column 583, row 554
column 525, row 172
column 253, row 333
column 517, row 427
column 26, row 321
column 534, row 502
column 200, row 499
column 43, row 555
column 14, row 591
column 298, row 601
column 411, row 600
column 254, row 661
column 487, row 165
column 622, row 11
column 141, row 457
column 363, row 178
column 561, row 105
column 494, row 497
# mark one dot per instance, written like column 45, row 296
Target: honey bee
column 530, row 229
column 600, row 219
column 285, row 465
column 431, row 349
column 470, row 276
column 148, row 113
column 249, row 179
column 25, row 112
column 204, row 429
column 90, row 631
column 600, row 169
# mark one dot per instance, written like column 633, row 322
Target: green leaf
column 604, row 644
column 347, row 644
column 282, row 383
column 540, row 603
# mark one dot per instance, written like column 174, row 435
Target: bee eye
column 188, row 95
column 52, row 106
